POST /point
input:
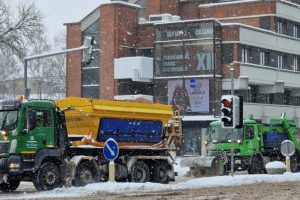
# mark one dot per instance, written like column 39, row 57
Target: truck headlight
column 239, row 141
column 5, row 135
column 14, row 165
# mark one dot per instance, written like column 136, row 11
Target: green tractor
column 251, row 147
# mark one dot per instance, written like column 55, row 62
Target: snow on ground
column 151, row 187
column 275, row 165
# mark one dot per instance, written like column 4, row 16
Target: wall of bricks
column 118, row 28
column 73, row 72
column 237, row 10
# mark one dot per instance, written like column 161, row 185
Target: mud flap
column 204, row 166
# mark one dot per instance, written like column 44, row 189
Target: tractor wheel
column 47, row 177
column 140, row 172
column 294, row 164
column 11, row 185
column 160, row 173
column 257, row 166
column 85, row 174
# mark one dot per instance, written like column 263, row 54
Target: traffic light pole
column 26, row 89
column 232, row 79
column 231, row 146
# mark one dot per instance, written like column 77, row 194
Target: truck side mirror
column 30, row 119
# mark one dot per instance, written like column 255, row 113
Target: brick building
column 180, row 51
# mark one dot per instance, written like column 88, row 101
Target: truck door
column 41, row 135
column 251, row 141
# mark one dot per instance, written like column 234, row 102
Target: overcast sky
column 58, row 12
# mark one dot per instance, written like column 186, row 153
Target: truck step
column 28, row 160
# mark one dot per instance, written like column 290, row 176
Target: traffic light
column 232, row 111
column 227, row 111
column 87, row 52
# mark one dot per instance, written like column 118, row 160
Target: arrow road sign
column 111, row 149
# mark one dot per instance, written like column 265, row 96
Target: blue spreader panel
column 128, row 130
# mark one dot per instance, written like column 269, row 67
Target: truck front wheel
column 85, row 174
column 11, row 185
column 47, row 177
column 140, row 172
column 257, row 166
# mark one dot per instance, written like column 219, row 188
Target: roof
column 199, row 118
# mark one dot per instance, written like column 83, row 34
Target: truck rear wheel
column 140, row 172
column 85, row 174
column 11, row 185
column 47, row 178
column 160, row 174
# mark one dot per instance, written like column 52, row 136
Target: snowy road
column 275, row 187
column 223, row 187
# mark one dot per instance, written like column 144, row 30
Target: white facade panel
column 268, row 76
column 268, row 40
column 136, row 68
column 271, row 111
column 287, row 11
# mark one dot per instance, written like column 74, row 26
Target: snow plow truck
column 61, row 143
column 253, row 146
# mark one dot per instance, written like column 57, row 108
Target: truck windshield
column 8, row 119
column 217, row 134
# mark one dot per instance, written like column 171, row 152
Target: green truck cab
column 253, row 145
column 32, row 144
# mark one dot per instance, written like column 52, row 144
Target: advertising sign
column 189, row 95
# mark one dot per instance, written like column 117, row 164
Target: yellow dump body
column 85, row 114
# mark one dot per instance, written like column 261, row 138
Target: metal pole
column 25, row 80
column 232, row 79
column 232, row 147
column 26, row 89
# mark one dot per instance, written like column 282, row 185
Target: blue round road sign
column 111, row 149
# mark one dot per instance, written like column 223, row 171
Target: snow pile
column 217, row 181
column 180, row 170
column 275, row 165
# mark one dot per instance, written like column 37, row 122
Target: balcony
column 138, row 69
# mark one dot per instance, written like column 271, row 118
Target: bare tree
column 17, row 27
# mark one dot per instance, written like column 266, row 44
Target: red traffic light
column 227, row 103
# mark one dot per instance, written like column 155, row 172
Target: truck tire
column 11, row 185
column 160, row 173
column 294, row 164
column 257, row 166
column 85, row 174
column 47, row 177
column 140, row 172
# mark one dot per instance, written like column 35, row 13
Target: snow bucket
column 275, row 167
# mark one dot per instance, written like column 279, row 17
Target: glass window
column 279, row 27
column 280, row 62
column 147, row 52
column 43, row 118
column 264, row 58
column 249, row 132
column 296, row 31
column 245, row 55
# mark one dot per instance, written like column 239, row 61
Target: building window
column 295, row 63
column 280, row 62
column 245, row 55
column 264, row 58
column 132, row 52
column 280, row 27
column 296, row 31
column 147, row 52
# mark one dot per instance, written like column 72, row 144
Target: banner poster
column 189, row 95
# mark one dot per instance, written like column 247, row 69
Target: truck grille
column 4, row 147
